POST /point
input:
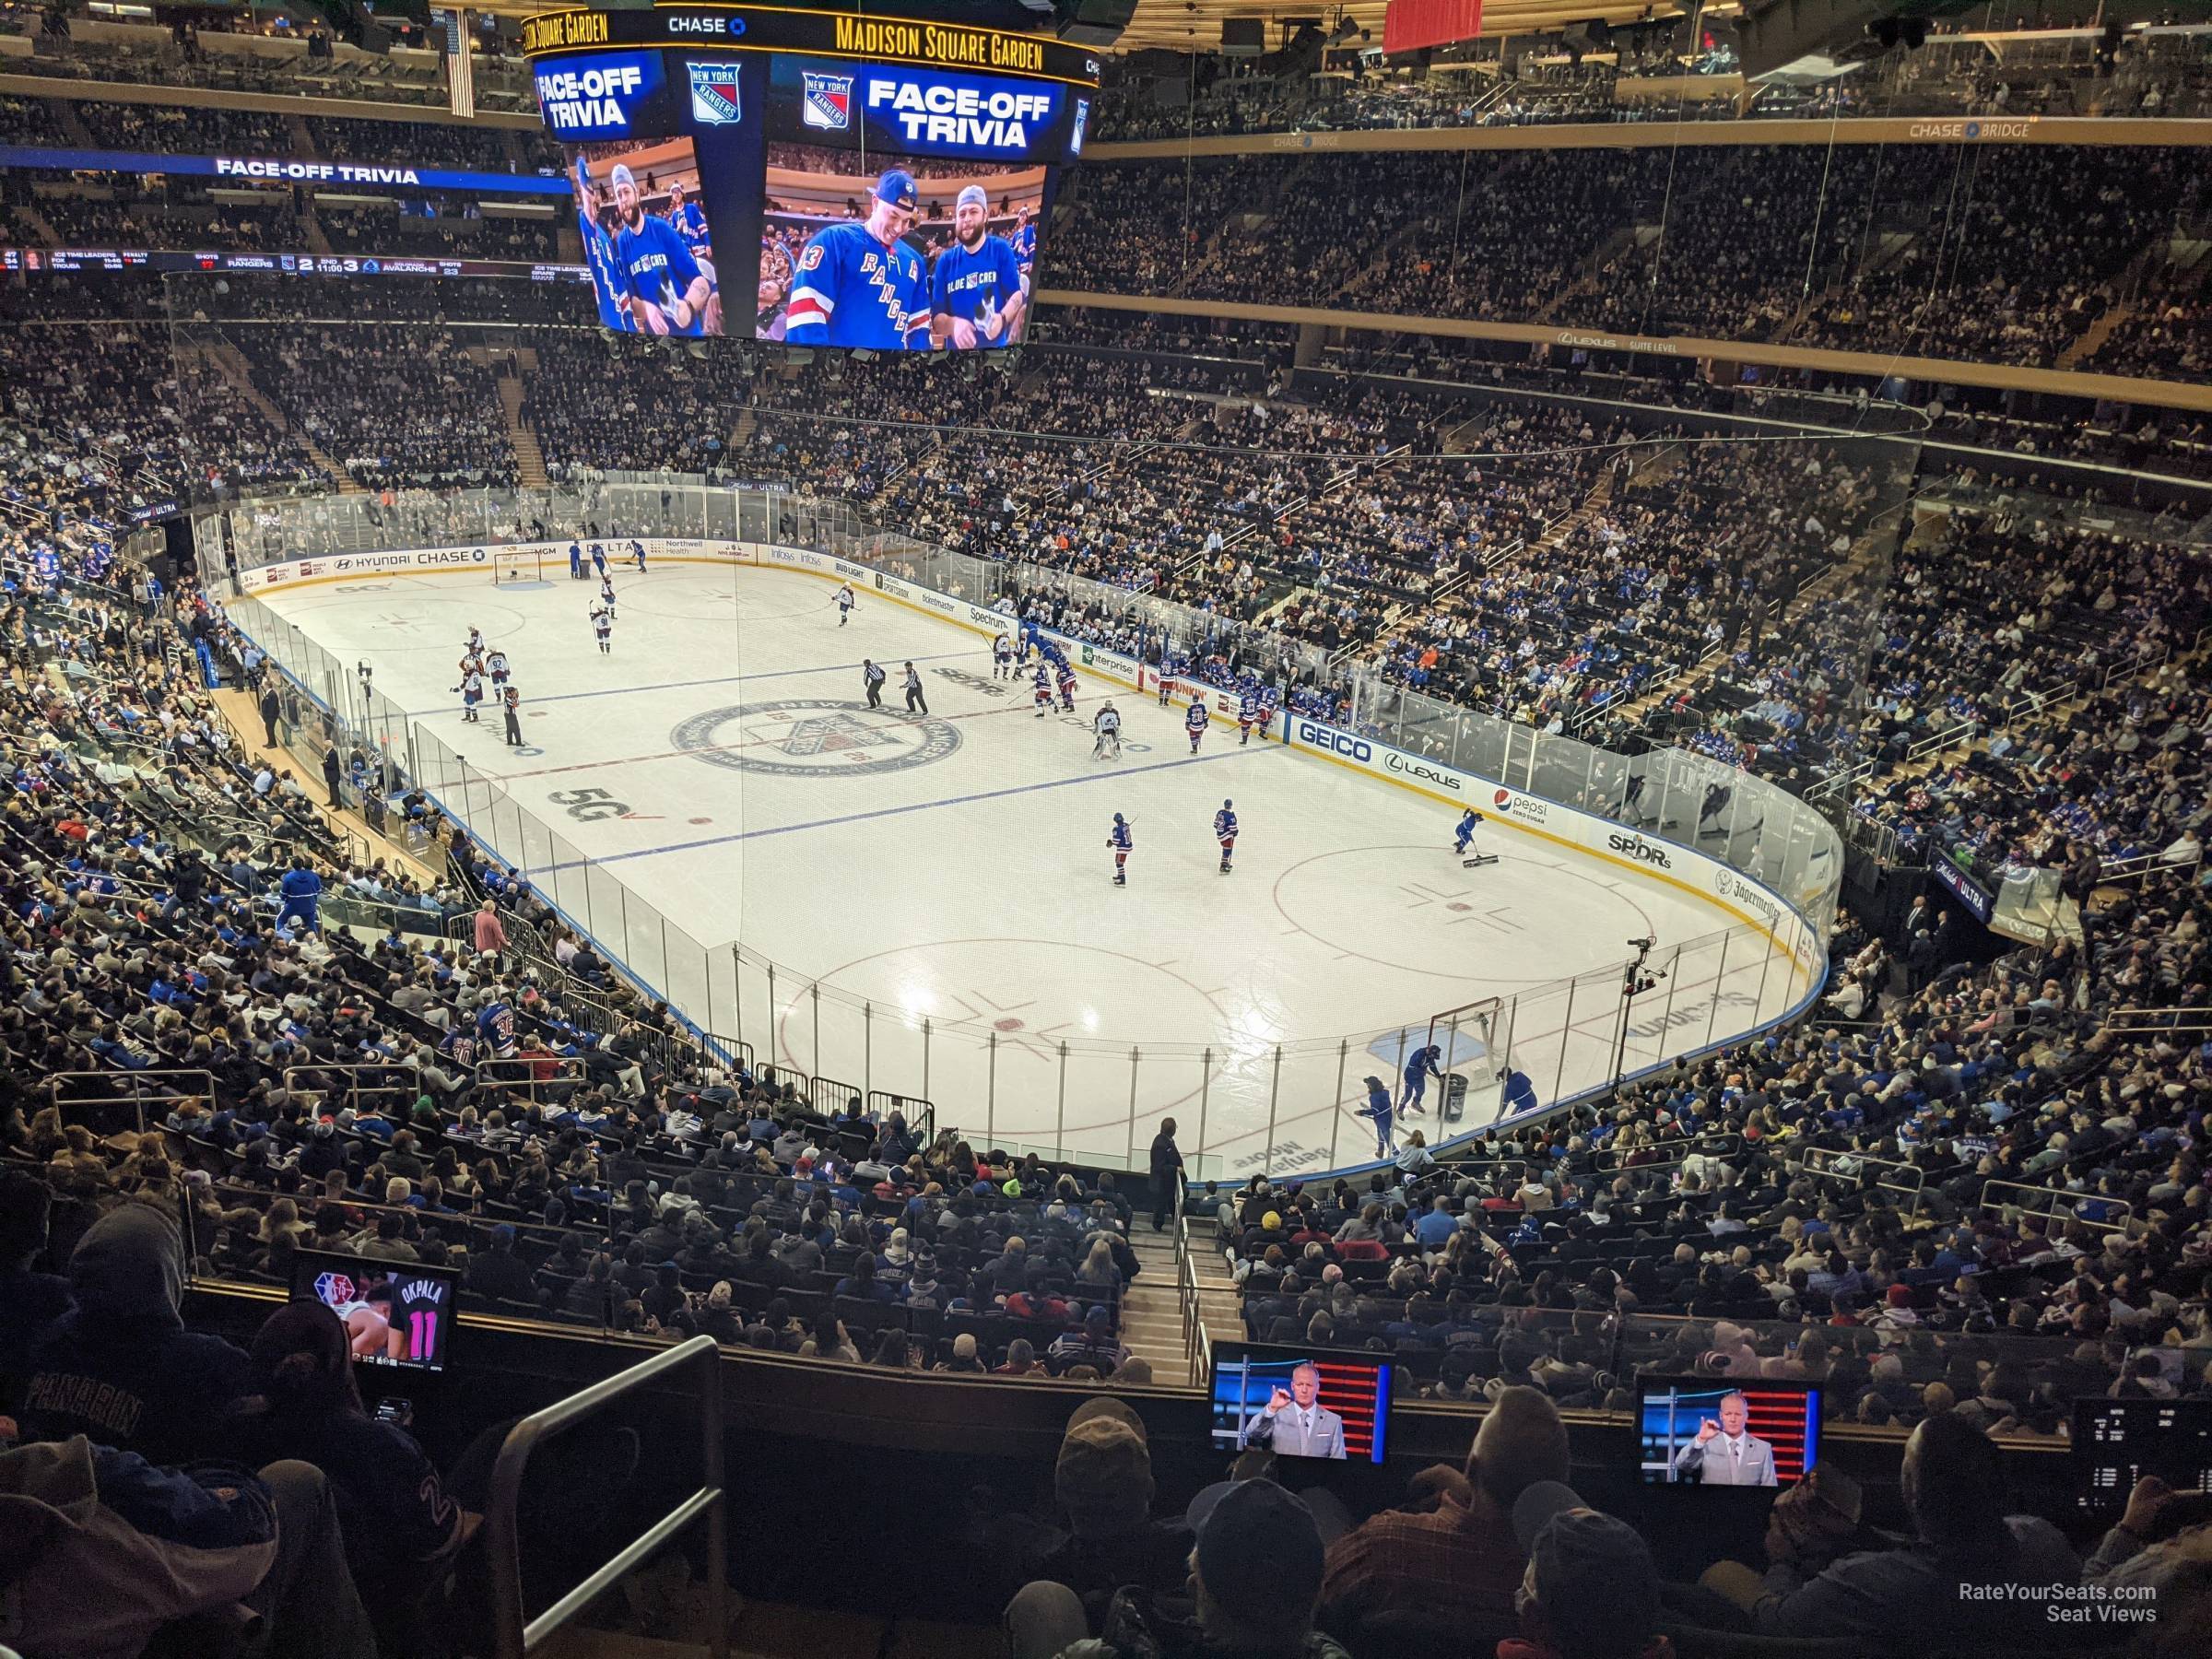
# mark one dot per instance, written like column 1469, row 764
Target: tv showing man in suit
column 1725, row 1452
column 1295, row 1424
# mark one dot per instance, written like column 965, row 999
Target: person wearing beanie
column 120, row 1368
column 1590, row 1590
column 1254, row 1572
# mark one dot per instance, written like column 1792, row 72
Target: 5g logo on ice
column 1334, row 743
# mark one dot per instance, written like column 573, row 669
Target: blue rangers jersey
column 850, row 289
column 971, row 286
column 656, row 267
column 1248, row 708
column 690, row 222
column 1025, row 250
column 1119, row 839
column 607, row 281
column 1225, row 825
column 1197, row 717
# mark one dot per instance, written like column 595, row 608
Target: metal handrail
column 513, row 1635
column 2050, row 1209
column 138, row 1095
column 347, row 1081
column 1832, row 1156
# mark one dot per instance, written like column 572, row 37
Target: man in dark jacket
column 1167, row 1174
column 120, row 1367
column 269, row 708
column 500, row 1272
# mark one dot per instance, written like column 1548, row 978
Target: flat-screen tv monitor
column 1712, row 1431
column 2116, row 1442
column 1326, row 1403
column 396, row 1314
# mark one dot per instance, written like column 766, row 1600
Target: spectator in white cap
column 976, row 297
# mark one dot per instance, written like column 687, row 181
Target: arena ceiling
column 1187, row 25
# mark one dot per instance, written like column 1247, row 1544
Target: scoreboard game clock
column 893, row 173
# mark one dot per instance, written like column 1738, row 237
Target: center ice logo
column 813, row 737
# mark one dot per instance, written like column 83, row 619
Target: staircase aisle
column 231, row 363
column 1151, row 1309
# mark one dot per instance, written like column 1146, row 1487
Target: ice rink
column 722, row 765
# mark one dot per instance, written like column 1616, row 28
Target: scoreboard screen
column 882, row 182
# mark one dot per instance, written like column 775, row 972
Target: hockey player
column 1067, row 687
column 495, row 662
column 1041, row 688
column 475, row 643
column 1167, row 688
column 844, row 605
column 1107, row 723
column 1249, row 712
column 599, row 560
column 603, row 626
column 606, row 591
column 1120, row 840
column 1377, row 1112
column 510, row 702
column 1001, row 657
column 1225, row 831
column 1420, row 1067
column 1194, row 719
column 472, row 693
column 637, row 554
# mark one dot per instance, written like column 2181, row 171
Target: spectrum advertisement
column 883, row 182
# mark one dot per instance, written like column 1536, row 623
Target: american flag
column 460, row 76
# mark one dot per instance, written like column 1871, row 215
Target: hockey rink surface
column 721, row 763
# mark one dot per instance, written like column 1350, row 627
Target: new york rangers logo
column 714, row 100
column 828, row 102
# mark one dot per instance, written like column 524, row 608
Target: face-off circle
column 814, row 737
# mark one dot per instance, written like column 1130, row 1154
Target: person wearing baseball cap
column 976, row 295
column 859, row 284
column 1589, row 1591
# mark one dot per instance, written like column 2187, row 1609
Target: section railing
column 515, row 1633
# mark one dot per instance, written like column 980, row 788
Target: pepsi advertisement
column 885, row 203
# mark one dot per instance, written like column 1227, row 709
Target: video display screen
column 646, row 241
column 396, row 1314
column 896, row 202
column 2116, row 1442
column 1704, row 1432
column 896, row 252
column 1326, row 1404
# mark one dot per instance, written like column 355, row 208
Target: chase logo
column 828, row 102
column 1334, row 743
column 688, row 23
column 714, row 98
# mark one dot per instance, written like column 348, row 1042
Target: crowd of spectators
column 397, row 408
column 466, row 234
column 186, row 129
column 2003, row 252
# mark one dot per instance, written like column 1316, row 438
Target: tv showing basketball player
column 398, row 1313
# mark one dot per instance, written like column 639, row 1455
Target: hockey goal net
column 517, row 564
